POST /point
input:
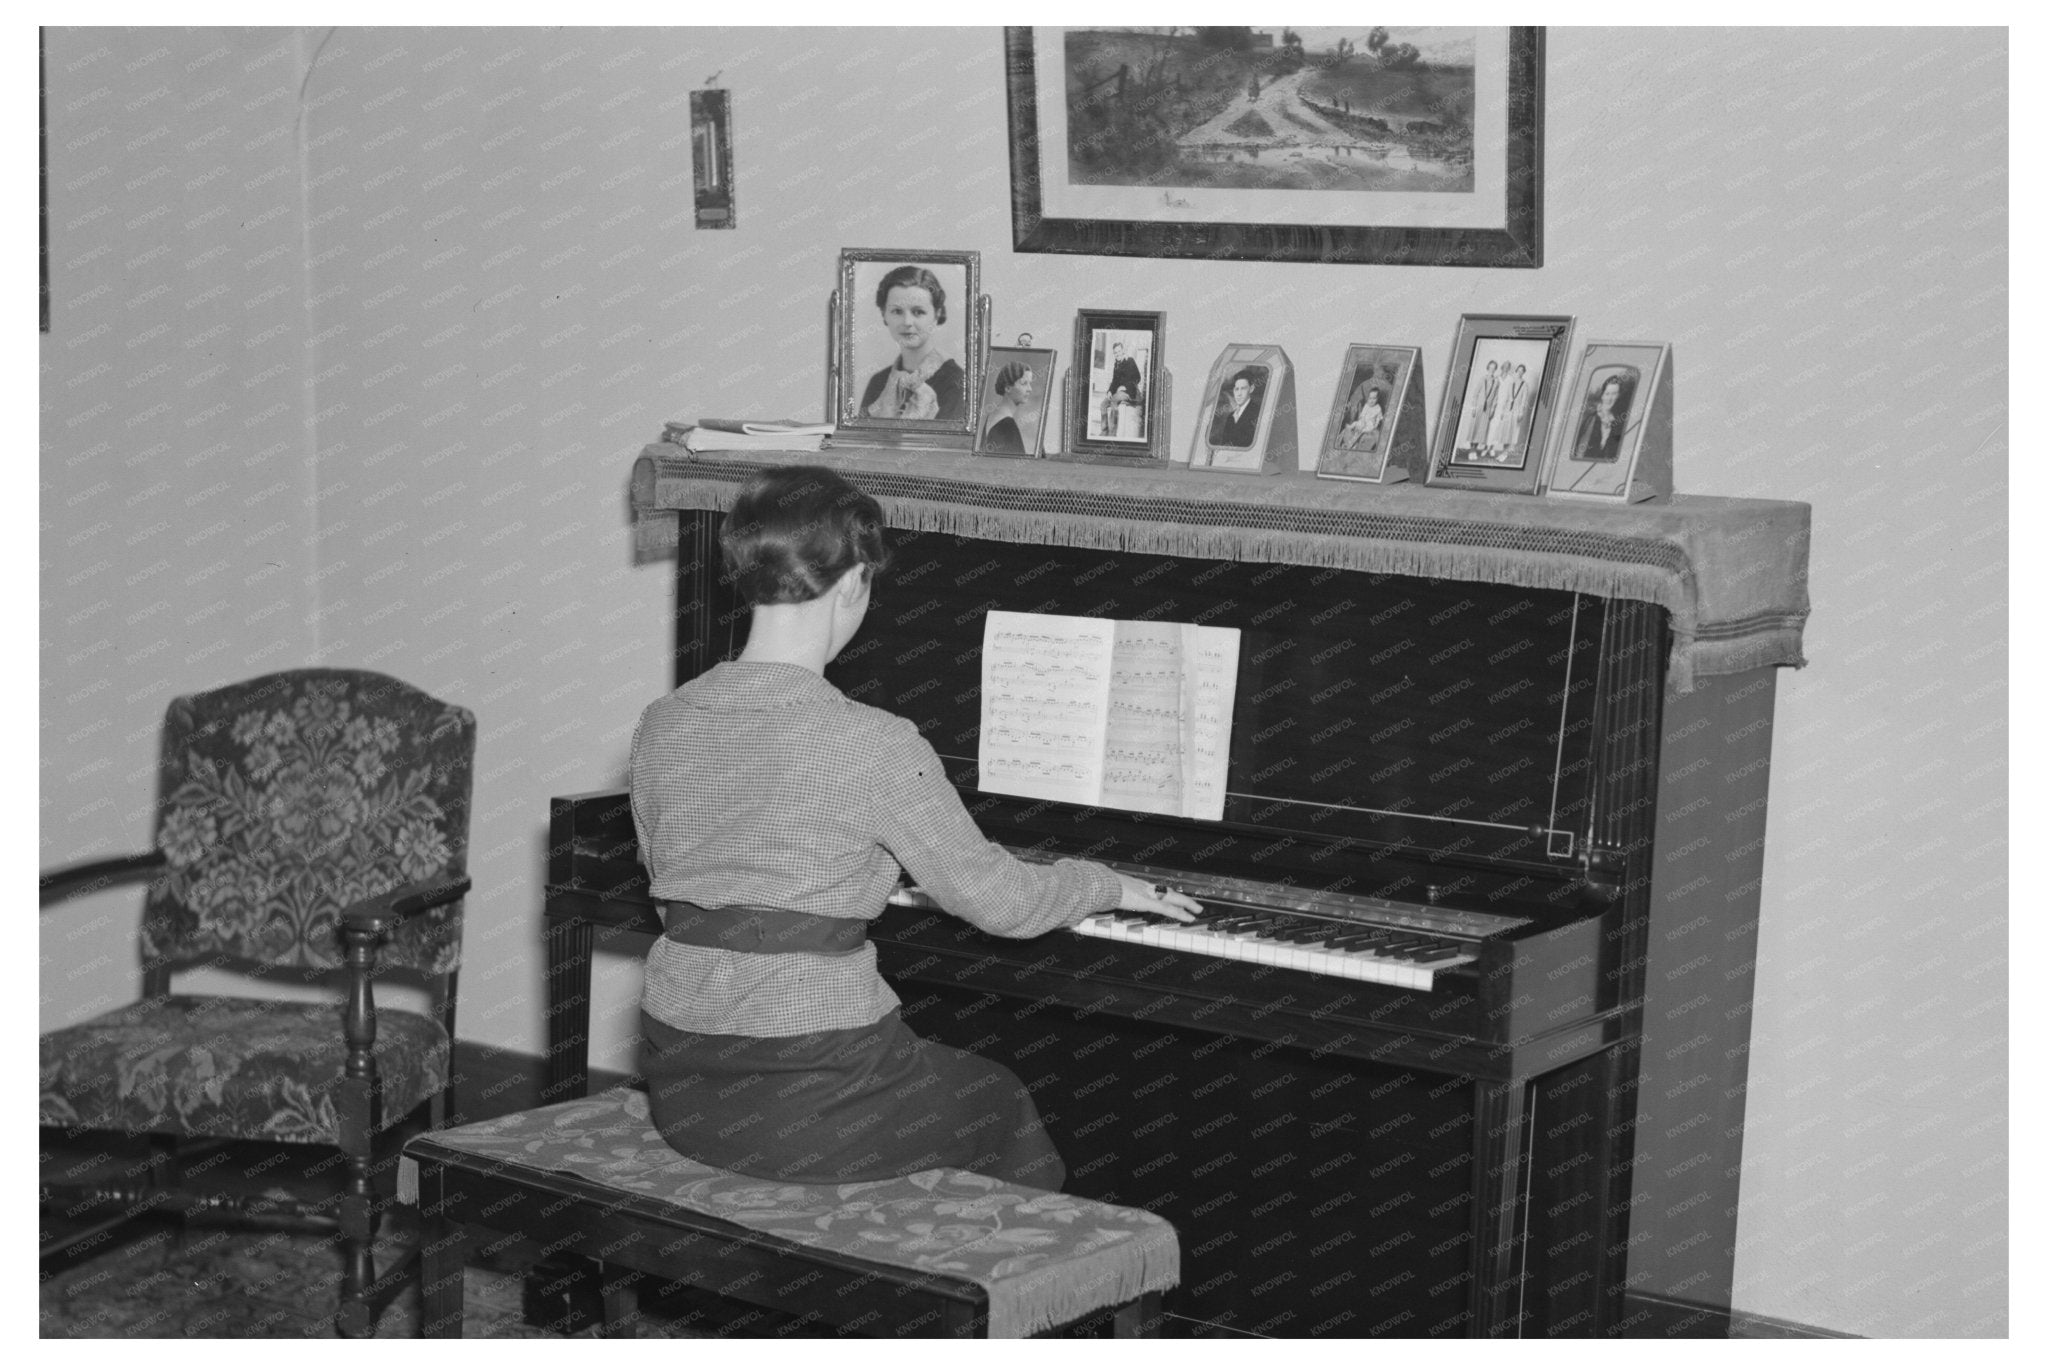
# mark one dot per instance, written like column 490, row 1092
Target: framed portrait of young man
column 1500, row 396
column 1116, row 391
column 907, row 348
column 1247, row 421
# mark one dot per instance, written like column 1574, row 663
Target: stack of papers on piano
column 732, row 433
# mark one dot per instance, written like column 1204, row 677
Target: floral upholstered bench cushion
column 1044, row 1259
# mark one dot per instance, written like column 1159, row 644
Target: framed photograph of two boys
column 1372, row 145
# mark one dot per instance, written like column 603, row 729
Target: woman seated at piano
column 922, row 384
column 774, row 814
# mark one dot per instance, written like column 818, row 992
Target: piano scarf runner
column 1731, row 572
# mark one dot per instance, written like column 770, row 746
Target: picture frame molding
column 849, row 309
column 1517, row 244
column 1402, row 428
column 1035, row 446
column 1076, row 443
column 1555, row 331
column 1645, row 464
column 1274, row 447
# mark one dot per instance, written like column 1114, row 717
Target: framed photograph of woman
column 1613, row 441
column 1373, row 387
column 1116, row 409
column 1506, row 371
column 1014, row 400
column 1247, row 422
column 907, row 347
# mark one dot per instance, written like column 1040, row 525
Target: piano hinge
column 1602, row 865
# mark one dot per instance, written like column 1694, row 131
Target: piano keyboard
column 1328, row 933
column 1293, row 942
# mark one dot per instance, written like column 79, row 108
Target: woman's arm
column 921, row 821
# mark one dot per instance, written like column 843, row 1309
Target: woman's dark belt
column 760, row 929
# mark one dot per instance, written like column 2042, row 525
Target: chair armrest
column 381, row 914
column 97, row 874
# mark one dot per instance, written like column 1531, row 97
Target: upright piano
column 1466, row 1018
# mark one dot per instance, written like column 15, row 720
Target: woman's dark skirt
column 867, row 1103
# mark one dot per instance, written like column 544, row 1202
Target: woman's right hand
column 1151, row 899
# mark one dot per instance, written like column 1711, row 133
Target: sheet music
column 1133, row 715
column 1044, row 704
column 1211, row 695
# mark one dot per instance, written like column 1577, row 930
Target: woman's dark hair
column 1009, row 375
column 792, row 533
column 913, row 277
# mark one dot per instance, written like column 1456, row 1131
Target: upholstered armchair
column 311, row 825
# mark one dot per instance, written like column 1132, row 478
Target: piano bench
column 941, row 1253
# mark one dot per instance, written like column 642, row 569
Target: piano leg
column 1550, row 1198
column 1499, row 1148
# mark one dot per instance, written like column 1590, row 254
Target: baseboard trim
column 1653, row 1316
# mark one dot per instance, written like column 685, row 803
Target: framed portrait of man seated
column 907, row 348
column 1247, row 424
column 1499, row 399
column 1614, row 436
column 1117, row 390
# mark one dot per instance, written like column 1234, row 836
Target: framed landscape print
column 907, row 348
column 1613, row 442
column 1498, row 402
column 1376, row 413
column 1389, row 146
column 1116, row 390
column 1014, row 400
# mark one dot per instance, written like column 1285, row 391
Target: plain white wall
column 493, row 297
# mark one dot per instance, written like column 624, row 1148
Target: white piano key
column 1351, row 964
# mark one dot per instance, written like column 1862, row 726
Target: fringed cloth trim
column 1730, row 572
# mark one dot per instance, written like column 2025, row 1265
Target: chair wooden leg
column 358, row 1269
column 444, row 1249
column 1138, row 1318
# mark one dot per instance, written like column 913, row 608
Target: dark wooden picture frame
column 1104, row 420
column 1517, row 242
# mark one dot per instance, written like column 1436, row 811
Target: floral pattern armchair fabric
column 283, row 800
column 290, row 796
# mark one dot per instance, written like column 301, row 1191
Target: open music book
column 1133, row 715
